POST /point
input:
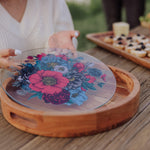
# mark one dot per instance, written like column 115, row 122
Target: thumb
column 74, row 33
column 9, row 52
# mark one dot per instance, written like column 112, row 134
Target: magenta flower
column 64, row 57
column 39, row 56
column 80, row 67
column 91, row 79
column 30, row 57
column 48, row 82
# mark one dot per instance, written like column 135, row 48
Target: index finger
column 4, row 63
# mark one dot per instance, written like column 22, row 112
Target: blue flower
column 77, row 96
column 94, row 72
column 50, row 61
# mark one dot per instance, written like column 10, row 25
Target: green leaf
column 100, row 84
column 84, row 86
column 34, row 95
column 88, row 85
column 40, row 95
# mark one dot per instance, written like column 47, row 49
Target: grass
column 89, row 25
column 90, row 19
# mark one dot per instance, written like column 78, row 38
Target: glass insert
column 55, row 80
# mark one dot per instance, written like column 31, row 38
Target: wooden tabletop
column 133, row 135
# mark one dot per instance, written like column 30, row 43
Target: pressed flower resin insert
column 61, row 82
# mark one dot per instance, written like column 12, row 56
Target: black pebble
column 141, row 43
column 119, row 39
column 129, row 38
column 119, row 43
column 138, row 49
column 143, row 47
column 122, row 34
column 130, row 45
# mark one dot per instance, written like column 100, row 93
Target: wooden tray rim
column 29, row 111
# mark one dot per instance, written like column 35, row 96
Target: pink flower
column 103, row 77
column 83, row 89
column 64, row 57
column 80, row 67
column 39, row 56
column 48, row 82
column 92, row 79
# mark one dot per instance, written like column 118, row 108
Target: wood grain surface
column 133, row 135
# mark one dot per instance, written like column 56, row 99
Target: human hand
column 63, row 40
column 4, row 58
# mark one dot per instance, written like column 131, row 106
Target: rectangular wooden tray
column 98, row 38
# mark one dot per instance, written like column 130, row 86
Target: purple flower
column 57, row 98
column 75, row 79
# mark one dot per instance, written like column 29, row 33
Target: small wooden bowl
column 145, row 24
column 121, row 108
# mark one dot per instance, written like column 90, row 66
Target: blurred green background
column 90, row 18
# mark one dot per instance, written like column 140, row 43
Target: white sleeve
column 62, row 16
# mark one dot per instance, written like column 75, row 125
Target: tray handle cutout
column 28, row 122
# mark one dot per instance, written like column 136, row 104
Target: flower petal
column 51, row 90
column 40, row 85
column 35, row 88
column 34, row 78
column 62, row 82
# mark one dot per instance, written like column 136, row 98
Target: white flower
column 61, row 69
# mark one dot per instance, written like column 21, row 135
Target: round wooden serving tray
column 120, row 109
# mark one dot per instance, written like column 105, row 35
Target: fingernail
column 76, row 34
column 17, row 52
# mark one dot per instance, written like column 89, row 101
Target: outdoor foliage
column 78, row 12
column 90, row 19
column 95, row 7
